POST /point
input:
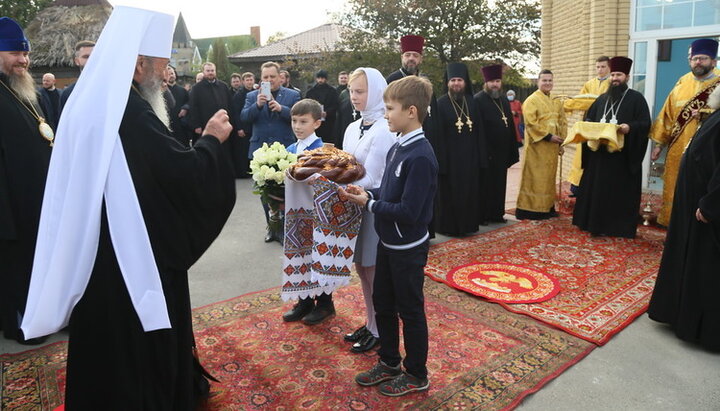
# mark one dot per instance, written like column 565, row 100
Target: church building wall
column 576, row 32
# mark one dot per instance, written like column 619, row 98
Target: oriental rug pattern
column 481, row 356
column 605, row 282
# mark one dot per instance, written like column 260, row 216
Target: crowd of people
column 135, row 194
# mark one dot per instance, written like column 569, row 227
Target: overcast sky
column 215, row 18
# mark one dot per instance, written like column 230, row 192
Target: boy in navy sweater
column 402, row 206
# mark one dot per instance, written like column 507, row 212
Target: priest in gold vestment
column 678, row 120
column 593, row 87
column 545, row 129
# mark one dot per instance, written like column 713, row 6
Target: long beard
column 714, row 99
column 151, row 91
column 457, row 95
column 411, row 70
column 495, row 94
column 24, row 86
column 616, row 92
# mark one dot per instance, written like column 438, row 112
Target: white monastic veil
column 87, row 164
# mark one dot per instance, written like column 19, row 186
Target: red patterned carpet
column 481, row 356
column 605, row 282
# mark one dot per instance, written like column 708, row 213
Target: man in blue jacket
column 270, row 117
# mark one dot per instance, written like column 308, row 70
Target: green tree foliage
column 455, row 30
column 22, row 11
column 218, row 54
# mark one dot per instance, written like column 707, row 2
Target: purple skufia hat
column 708, row 47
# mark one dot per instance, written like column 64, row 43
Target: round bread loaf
column 334, row 164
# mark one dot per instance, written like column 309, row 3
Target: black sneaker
column 367, row 343
column 356, row 335
column 320, row 313
column 379, row 373
column 299, row 310
column 404, row 384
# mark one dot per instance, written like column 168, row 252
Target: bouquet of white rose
column 268, row 172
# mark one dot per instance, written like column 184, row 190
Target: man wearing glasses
column 680, row 116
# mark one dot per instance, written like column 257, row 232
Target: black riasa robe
column 326, row 95
column 502, row 153
column 458, row 208
column 206, row 99
column 178, row 125
column 24, row 160
column 685, row 294
column 608, row 200
column 186, row 195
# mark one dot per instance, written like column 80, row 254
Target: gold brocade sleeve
column 536, row 127
column 561, row 119
column 662, row 126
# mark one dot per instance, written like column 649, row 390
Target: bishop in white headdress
column 127, row 210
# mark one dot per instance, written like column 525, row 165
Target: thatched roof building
column 55, row 30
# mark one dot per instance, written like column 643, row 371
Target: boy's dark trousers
column 398, row 289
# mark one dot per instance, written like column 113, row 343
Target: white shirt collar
column 306, row 142
column 404, row 138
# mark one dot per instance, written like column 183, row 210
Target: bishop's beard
column 151, row 90
column 24, row 86
column 457, row 95
column 615, row 93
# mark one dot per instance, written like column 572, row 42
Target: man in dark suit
column 206, row 98
column 178, row 113
column 51, row 98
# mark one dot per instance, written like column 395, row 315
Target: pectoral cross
column 469, row 123
column 459, row 125
column 504, row 119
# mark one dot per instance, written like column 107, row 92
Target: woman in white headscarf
column 369, row 139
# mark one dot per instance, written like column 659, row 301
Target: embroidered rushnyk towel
column 320, row 235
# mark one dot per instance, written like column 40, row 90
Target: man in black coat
column 502, row 151
column 178, row 113
column 206, row 98
column 24, row 160
column 327, row 96
column 51, row 99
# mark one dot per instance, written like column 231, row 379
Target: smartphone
column 265, row 89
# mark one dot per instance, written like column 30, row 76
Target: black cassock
column 458, row 208
column 186, row 195
column 608, row 201
column 179, row 125
column 24, row 160
column 502, row 152
column 326, row 95
column 685, row 293
column 206, row 99
column 346, row 114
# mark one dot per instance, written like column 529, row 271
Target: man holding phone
column 268, row 110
